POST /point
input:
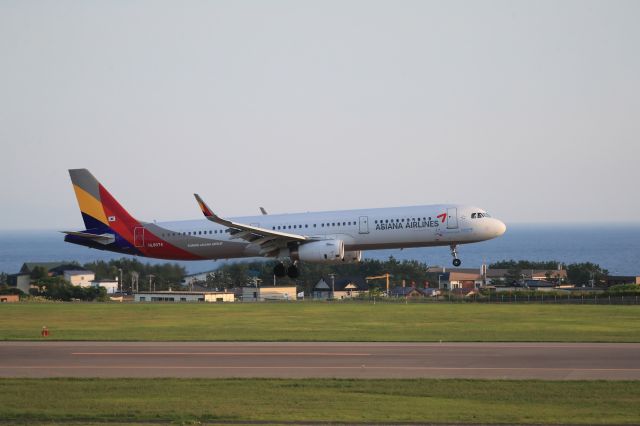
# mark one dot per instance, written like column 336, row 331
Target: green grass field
column 322, row 322
column 190, row 400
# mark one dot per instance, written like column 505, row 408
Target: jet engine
column 319, row 251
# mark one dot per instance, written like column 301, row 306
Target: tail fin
column 100, row 211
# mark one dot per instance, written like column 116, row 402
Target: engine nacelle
column 354, row 256
column 320, row 252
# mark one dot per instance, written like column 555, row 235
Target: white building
column 269, row 292
column 184, row 296
column 110, row 285
column 198, row 278
column 79, row 278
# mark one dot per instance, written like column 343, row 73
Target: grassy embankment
column 322, row 322
column 190, row 400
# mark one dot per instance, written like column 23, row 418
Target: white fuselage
column 365, row 229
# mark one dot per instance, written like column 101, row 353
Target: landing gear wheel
column 454, row 252
column 279, row 270
column 293, row 272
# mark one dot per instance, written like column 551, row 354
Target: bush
column 623, row 290
column 5, row 289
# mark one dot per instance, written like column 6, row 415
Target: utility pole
column 333, row 285
column 121, row 284
column 134, row 282
column 258, row 281
column 154, row 284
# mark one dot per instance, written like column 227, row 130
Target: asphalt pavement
column 549, row 361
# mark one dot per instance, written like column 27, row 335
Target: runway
column 549, row 361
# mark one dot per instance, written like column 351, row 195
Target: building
column 9, row 298
column 184, row 296
column 110, row 285
column 464, row 292
column 269, row 292
column 343, row 288
column 195, row 279
column 622, row 279
column 556, row 275
column 81, row 278
column 22, row 280
column 431, row 292
column 406, row 292
column 454, row 279
column 496, row 276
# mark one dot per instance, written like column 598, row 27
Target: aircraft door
column 452, row 218
column 364, row 225
column 138, row 236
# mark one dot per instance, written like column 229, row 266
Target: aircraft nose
column 499, row 227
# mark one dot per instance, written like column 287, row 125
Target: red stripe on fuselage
column 124, row 224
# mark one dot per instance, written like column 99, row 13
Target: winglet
column 203, row 206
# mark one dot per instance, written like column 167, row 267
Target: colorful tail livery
column 110, row 227
column 321, row 237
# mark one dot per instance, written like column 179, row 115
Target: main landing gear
column 280, row 271
column 454, row 252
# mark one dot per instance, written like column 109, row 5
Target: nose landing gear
column 454, row 252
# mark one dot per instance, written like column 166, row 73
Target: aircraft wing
column 270, row 241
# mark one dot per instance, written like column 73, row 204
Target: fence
column 589, row 299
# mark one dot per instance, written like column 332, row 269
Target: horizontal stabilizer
column 102, row 238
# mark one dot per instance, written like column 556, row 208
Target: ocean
column 614, row 247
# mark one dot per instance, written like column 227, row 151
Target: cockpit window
column 479, row 215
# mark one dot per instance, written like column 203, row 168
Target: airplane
column 320, row 237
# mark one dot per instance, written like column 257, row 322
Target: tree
column 39, row 272
column 5, row 289
column 586, row 274
column 56, row 288
column 513, row 275
column 165, row 275
column 525, row 264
